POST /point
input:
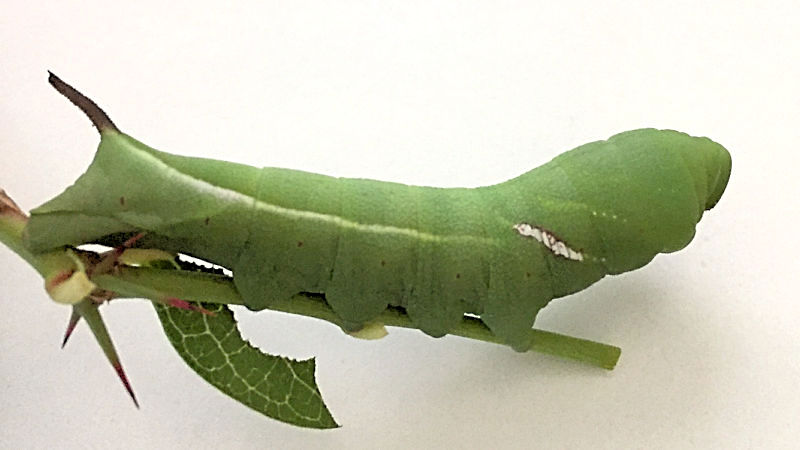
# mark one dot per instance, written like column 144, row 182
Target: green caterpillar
column 501, row 252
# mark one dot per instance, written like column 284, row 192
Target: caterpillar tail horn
column 99, row 118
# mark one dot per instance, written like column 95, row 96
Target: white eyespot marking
column 554, row 244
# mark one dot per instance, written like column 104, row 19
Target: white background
column 436, row 93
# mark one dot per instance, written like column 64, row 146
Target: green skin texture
column 365, row 244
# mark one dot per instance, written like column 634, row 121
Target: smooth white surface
column 442, row 93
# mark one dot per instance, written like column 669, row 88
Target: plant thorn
column 73, row 322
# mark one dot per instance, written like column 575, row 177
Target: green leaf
column 275, row 386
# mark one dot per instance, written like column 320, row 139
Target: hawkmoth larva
column 501, row 252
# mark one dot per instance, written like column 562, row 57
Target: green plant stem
column 212, row 288
column 131, row 282
column 12, row 226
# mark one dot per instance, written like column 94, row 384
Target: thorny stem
column 156, row 284
column 89, row 312
column 12, row 224
column 136, row 282
column 12, row 227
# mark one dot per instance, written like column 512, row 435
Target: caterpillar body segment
column 501, row 252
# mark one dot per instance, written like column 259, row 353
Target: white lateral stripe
column 229, row 195
column 549, row 240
